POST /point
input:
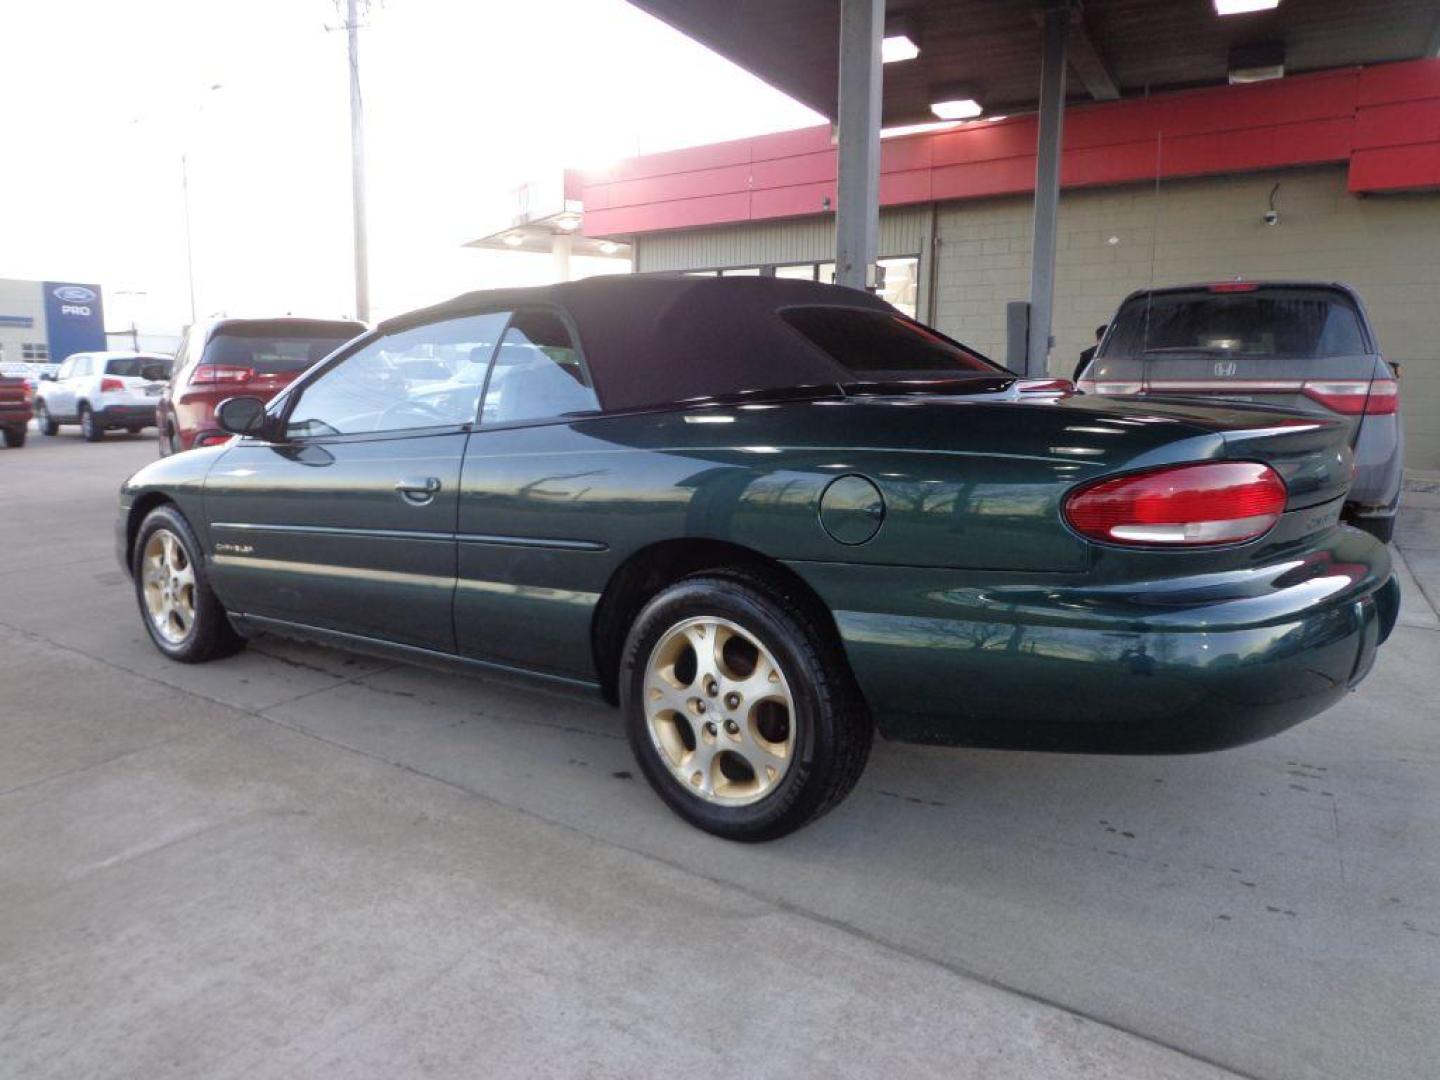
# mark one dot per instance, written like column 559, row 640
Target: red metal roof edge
column 1383, row 120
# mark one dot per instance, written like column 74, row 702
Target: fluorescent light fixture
column 608, row 247
column 1257, row 62
column 1244, row 7
column 513, row 239
column 568, row 222
column 956, row 108
column 898, row 47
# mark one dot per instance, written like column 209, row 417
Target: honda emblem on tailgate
column 1225, row 368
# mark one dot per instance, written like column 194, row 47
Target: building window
column 900, row 283
column 34, row 350
column 900, row 280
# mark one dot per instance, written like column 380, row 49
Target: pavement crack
column 85, row 768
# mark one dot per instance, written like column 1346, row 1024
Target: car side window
column 423, row 377
column 80, row 367
column 538, row 373
column 63, row 371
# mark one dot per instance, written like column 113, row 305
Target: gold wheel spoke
column 701, row 763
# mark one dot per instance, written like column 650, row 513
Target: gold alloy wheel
column 168, row 578
column 719, row 710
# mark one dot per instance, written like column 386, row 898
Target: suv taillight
column 111, row 386
column 1355, row 397
column 222, row 373
column 1221, row 502
column 1110, row 386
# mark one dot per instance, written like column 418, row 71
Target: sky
column 463, row 102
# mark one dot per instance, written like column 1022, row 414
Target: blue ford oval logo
column 75, row 294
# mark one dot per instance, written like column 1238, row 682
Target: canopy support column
column 1047, row 187
column 857, row 217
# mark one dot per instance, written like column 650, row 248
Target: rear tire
column 14, row 437
column 90, row 427
column 182, row 615
column 133, row 430
column 804, row 722
column 44, row 421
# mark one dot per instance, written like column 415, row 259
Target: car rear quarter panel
column 549, row 512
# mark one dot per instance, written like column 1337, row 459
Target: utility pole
column 357, row 167
column 189, row 249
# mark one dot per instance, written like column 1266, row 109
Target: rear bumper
column 14, row 415
column 1379, row 460
column 127, row 415
column 1172, row 666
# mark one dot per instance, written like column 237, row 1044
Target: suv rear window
column 143, row 367
column 276, row 350
column 1281, row 322
column 879, row 345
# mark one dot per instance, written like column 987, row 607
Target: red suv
column 16, row 402
column 223, row 358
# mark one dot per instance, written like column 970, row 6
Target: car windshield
column 139, row 367
column 1235, row 320
column 880, row 346
column 276, row 350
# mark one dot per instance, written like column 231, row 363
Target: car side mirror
column 47, row 376
column 241, row 416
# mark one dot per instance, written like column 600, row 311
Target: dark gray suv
column 1301, row 345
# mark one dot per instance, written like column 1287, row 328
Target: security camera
column 1272, row 217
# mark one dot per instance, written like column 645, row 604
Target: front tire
column 739, row 706
column 44, row 421
column 182, row 615
column 90, row 427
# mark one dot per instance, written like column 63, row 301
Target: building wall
column 1387, row 247
column 1204, row 229
column 795, row 240
column 22, row 299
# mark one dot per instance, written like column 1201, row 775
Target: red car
column 16, row 408
column 224, row 358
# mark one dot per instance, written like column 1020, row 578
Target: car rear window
column 1280, row 322
column 880, row 345
column 276, row 351
column 141, row 367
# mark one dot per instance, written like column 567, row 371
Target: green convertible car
column 766, row 518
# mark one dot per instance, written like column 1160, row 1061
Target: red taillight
column 209, row 438
column 111, row 386
column 1355, row 397
column 222, row 373
column 1221, row 502
column 1234, row 286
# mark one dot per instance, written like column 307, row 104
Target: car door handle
column 418, row 490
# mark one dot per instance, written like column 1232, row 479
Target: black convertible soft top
column 657, row 340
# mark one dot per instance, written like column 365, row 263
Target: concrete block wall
column 1115, row 240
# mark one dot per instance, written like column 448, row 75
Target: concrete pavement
column 299, row 862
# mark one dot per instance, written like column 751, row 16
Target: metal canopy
column 1129, row 46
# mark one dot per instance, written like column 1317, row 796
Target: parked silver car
column 1302, row 345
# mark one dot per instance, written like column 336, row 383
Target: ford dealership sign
column 75, row 294
column 74, row 318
